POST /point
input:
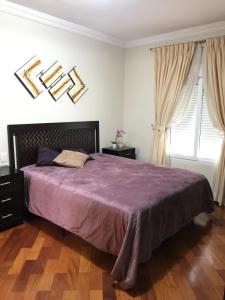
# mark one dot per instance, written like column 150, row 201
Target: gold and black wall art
column 35, row 79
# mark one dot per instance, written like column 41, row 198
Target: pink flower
column 120, row 132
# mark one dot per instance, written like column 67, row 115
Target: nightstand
column 11, row 197
column 124, row 152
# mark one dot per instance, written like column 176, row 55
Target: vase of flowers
column 118, row 142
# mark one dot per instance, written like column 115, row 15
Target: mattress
column 120, row 206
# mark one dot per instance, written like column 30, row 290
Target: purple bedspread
column 121, row 206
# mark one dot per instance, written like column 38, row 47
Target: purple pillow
column 45, row 156
column 78, row 150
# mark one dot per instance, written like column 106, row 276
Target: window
column 195, row 137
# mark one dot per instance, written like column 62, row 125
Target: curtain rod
column 199, row 42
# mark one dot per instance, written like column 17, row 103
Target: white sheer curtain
column 189, row 85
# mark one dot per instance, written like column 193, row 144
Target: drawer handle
column 6, row 200
column 7, row 216
column 5, row 183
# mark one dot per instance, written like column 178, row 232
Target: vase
column 120, row 143
column 114, row 145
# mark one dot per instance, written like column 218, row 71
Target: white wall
column 139, row 100
column 139, row 109
column 101, row 65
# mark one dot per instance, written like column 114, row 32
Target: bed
column 120, row 206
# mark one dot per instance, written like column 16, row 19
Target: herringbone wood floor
column 38, row 263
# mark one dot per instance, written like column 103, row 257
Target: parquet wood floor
column 37, row 262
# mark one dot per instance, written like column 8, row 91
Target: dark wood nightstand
column 11, row 197
column 124, row 152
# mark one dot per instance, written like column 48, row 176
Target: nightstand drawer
column 128, row 155
column 125, row 152
column 8, row 200
column 10, row 184
column 9, row 216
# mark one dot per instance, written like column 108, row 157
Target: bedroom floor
column 38, row 263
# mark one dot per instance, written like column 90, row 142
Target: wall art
column 79, row 87
column 34, row 78
column 51, row 75
column 61, row 87
column 27, row 75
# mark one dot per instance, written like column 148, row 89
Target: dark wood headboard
column 23, row 139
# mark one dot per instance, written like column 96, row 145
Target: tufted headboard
column 23, row 139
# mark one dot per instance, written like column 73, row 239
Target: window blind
column 194, row 137
column 183, row 133
column 210, row 138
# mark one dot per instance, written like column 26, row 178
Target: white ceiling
column 132, row 19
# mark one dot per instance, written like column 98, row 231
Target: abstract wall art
column 61, row 87
column 27, row 75
column 79, row 87
column 34, row 78
column 51, row 75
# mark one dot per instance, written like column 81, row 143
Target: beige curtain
column 215, row 84
column 172, row 65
